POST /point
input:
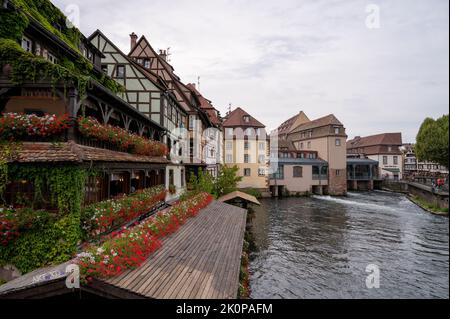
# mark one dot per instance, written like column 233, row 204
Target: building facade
column 325, row 136
column 420, row 171
column 63, row 105
column 149, row 94
column 382, row 148
column 246, row 146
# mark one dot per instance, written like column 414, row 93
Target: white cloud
column 275, row 58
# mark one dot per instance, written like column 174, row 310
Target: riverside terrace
column 200, row 261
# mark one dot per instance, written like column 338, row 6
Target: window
column 262, row 146
column 310, row 134
column 301, row 145
column 246, row 118
column 171, row 177
column 230, row 132
column 27, row 44
column 246, row 145
column 246, row 158
column 120, row 71
column 229, row 145
column 338, row 142
column 229, row 158
column 390, row 149
column 395, row 160
column 191, row 122
column 261, row 159
column 182, row 178
column 247, row 172
column 336, row 130
column 298, row 172
column 105, row 68
column 280, row 172
column 385, row 160
column 309, row 145
column 249, row 131
column 147, row 63
column 52, row 58
column 261, row 172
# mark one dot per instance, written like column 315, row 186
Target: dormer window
column 147, row 63
column 246, row 119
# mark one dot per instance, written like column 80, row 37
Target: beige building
column 246, row 146
column 327, row 137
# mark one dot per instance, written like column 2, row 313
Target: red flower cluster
column 9, row 227
column 132, row 247
column 121, row 138
column 102, row 217
column 16, row 125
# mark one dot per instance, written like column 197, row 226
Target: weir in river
column 320, row 247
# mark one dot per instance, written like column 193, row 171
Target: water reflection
column 319, row 248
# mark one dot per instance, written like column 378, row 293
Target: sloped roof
column 241, row 195
column 205, row 104
column 323, row 121
column 72, row 152
column 290, row 124
column 374, row 140
column 236, row 119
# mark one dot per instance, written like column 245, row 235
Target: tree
column 225, row 183
column 227, row 180
column 432, row 141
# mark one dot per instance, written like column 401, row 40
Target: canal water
column 320, row 247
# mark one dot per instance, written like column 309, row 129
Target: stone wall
column 337, row 185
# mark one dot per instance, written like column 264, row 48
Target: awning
column 392, row 170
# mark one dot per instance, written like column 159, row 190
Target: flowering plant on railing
column 121, row 138
column 17, row 125
column 9, row 227
column 130, row 248
column 103, row 217
column 14, row 221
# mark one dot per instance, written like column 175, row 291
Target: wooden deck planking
column 201, row 260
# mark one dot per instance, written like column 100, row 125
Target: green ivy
column 53, row 241
column 12, row 24
column 49, row 16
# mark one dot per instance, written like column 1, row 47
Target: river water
column 320, row 247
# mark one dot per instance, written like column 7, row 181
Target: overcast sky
column 275, row 58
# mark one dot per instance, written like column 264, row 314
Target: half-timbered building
column 149, row 94
column 68, row 81
column 198, row 120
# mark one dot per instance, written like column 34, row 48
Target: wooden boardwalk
column 200, row 261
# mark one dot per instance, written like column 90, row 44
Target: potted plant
column 172, row 189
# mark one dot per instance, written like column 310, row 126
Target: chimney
column 133, row 40
column 163, row 54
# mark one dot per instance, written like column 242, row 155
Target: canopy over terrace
column 200, row 261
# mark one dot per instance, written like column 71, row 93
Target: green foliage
column 432, row 141
column 49, row 17
column 204, row 182
column 40, row 246
column 49, row 239
column 225, row 183
column 429, row 206
column 252, row 191
column 65, row 184
column 227, row 180
column 12, row 24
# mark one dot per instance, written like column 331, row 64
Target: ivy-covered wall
column 52, row 240
column 28, row 67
